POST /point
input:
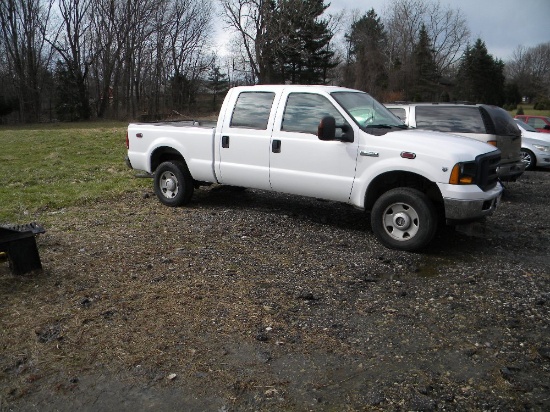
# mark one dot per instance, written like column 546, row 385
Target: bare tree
column 108, row 29
column 449, row 34
column 283, row 40
column 24, row 25
column 151, row 70
column 187, row 35
column 249, row 18
column 529, row 68
column 446, row 29
column 121, row 31
column 74, row 44
column 403, row 23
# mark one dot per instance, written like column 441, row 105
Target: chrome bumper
column 468, row 210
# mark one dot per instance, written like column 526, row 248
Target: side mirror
column 327, row 128
column 547, row 127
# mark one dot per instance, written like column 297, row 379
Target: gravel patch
column 259, row 301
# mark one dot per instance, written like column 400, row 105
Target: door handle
column 276, row 146
column 371, row 154
column 225, row 142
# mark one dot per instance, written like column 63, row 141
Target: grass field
column 49, row 167
column 528, row 109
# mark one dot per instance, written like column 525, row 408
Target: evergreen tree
column 367, row 62
column 305, row 55
column 480, row 77
column 218, row 84
column 425, row 87
column 512, row 95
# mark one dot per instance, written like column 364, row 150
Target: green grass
column 49, row 167
column 528, row 109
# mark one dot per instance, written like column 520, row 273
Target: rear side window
column 399, row 113
column 252, row 110
column 454, row 119
column 304, row 111
column 537, row 123
column 499, row 121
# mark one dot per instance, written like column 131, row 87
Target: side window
column 252, row 110
column 457, row 119
column 538, row 123
column 399, row 113
column 304, row 111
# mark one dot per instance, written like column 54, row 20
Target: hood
column 438, row 144
column 535, row 137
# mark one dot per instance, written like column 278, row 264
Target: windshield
column 526, row 126
column 366, row 111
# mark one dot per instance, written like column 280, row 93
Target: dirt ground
column 254, row 301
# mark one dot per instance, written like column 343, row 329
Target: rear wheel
column 404, row 219
column 528, row 157
column 173, row 183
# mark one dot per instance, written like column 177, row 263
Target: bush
column 542, row 105
column 520, row 111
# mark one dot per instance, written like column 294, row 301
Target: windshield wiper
column 386, row 126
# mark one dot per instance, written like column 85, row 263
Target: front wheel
column 528, row 157
column 404, row 219
column 173, row 184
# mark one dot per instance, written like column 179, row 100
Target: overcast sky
column 501, row 24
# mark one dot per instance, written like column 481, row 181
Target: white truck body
column 273, row 144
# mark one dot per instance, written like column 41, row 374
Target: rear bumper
column 510, row 172
column 128, row 163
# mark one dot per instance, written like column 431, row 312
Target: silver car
column 535, row 146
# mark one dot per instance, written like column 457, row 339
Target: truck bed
column 185, row 137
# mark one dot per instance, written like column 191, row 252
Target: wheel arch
column 394, row 179
column 165, row 154
column 533, row 164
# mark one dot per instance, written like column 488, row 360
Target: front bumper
column 543, row 159
column 467, row 210
column 510, row 172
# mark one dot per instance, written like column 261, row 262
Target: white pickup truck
column 325, row 142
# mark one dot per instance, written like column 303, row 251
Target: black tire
column 173, row 183
column 528, row 157
column 404, row 219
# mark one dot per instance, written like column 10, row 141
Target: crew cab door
column 302, row 164
column 244, row 141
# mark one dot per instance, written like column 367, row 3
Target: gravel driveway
column 257, row 301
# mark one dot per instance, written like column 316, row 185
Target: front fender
column 415, row 169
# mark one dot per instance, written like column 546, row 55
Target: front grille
column 487, row 170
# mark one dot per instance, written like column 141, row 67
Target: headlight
column 542, row 148
column 463, row 173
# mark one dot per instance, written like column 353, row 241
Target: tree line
column 74, row 60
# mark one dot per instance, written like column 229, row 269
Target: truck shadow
column 462, row 240
column 297, row 207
